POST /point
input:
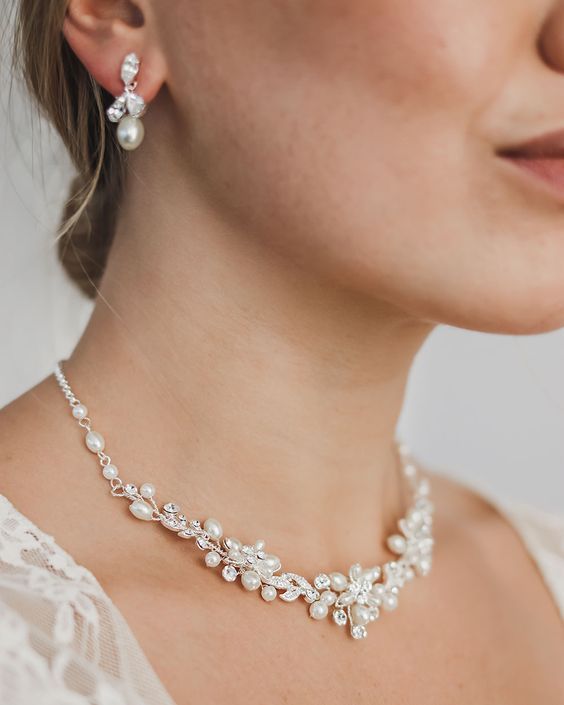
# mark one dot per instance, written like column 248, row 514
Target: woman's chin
column 512, row 312
column 532, row 317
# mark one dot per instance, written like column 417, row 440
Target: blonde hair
column 74, row 104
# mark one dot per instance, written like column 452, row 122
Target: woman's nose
column 551, row 38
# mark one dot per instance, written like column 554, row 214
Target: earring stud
column 127, row 109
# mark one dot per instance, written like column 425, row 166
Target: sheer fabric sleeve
column 62, row 640
column 543, row 535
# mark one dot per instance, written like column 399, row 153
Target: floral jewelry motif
column 356, row 599
column 129, row 101
column 128, row 107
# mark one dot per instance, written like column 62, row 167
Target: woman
column 320, row 184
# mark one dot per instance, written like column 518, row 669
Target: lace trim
column 62, row 639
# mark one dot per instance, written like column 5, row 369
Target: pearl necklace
column 356, row 599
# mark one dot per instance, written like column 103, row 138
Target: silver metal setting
column 128, row 102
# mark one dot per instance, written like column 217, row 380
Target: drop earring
column 128, row 108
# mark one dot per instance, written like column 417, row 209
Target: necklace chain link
column 356, row 599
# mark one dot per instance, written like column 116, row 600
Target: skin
column 318, row 188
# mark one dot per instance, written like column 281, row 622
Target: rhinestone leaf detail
column 171, row 508
column 128, row 102
column 129, row 68
column 117, row 109
column 357, row 599
column 135, row 104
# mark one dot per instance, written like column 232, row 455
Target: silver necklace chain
column 356, row 599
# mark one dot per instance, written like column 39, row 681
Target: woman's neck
column 243, row 385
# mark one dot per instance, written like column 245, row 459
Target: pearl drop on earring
column 127, row 109
column 130, row 132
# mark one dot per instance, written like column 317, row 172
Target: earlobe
column 102, row 32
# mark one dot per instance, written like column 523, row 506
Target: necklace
column 355, row 599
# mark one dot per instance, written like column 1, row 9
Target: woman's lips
column 549, row 170
column 542, row 160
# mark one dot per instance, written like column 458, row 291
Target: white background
column 486, row 409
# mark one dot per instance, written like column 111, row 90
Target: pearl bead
column 403, row 449
column 260, row 544
column 318, row 610
column 268, row 593
column 360, row 614
column 355, row 571
column 272, row 561
column 213, row 528
column 147, row 490
column 414, row 518
column 389, row 601
column 338, row 582
column 94, row 441
column 250, row 580
column 424, row 566
column 109, row 472
column 329, row 597
column 130, row 132
column 346, row 599
column 141, row 510
column 232, row 542
column 372, row 574
column 79, row 411
column 396, row 543
column 424, row 487
column 212, row 559
column 235, row 555
column 378, row 591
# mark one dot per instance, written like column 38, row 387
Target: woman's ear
column 102, row 32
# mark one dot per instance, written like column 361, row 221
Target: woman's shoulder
column 542, row 532
column 42, row 590
column 59, row 631
column 539, row 531
column 25, row 546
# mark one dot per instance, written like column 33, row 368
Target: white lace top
column 63, row 641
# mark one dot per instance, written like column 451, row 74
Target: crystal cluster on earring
column 127, row 109
column 356, row 599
